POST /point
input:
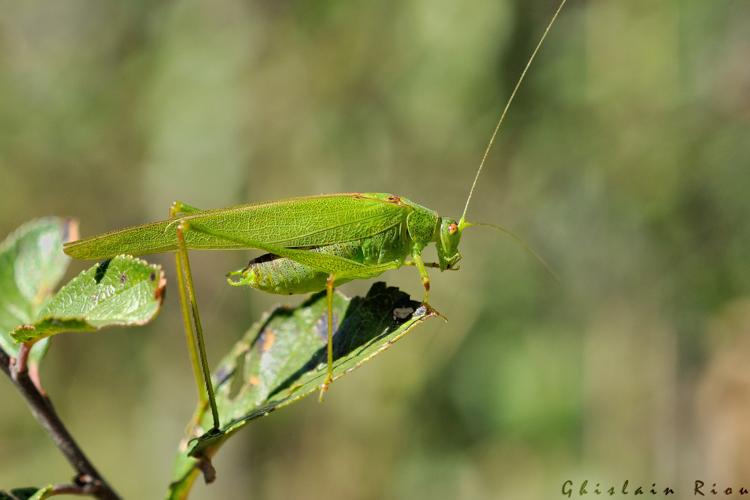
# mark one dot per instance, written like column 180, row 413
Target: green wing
column 292, row 223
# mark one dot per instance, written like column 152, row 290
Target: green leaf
column 26, row 493
column 31, row 264
column 121, row 291
column 42, row 493
column 282, row 359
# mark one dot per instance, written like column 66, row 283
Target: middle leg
column 329, row 301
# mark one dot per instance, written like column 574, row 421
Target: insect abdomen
column 273, row 274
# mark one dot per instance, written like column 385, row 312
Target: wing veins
column 331, row 228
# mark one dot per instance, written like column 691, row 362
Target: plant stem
column 88, row 478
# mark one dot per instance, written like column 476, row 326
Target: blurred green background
column 624, row 162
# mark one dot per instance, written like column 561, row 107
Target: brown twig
column 88, row 481
column 21, row 363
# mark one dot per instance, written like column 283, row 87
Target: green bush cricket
column 313, row 243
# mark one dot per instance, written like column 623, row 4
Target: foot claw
column 324, row 388
column 429, row 310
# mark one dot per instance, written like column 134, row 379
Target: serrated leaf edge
column 159, row 295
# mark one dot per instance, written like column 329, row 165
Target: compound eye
column 452, row 228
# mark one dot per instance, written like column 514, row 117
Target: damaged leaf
column 282, row 359
column 121, row 291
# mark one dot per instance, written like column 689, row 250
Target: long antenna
column 507, row 106
column 520, row 241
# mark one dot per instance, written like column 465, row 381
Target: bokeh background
column 624, row 162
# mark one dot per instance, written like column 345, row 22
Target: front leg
column 433, row 265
